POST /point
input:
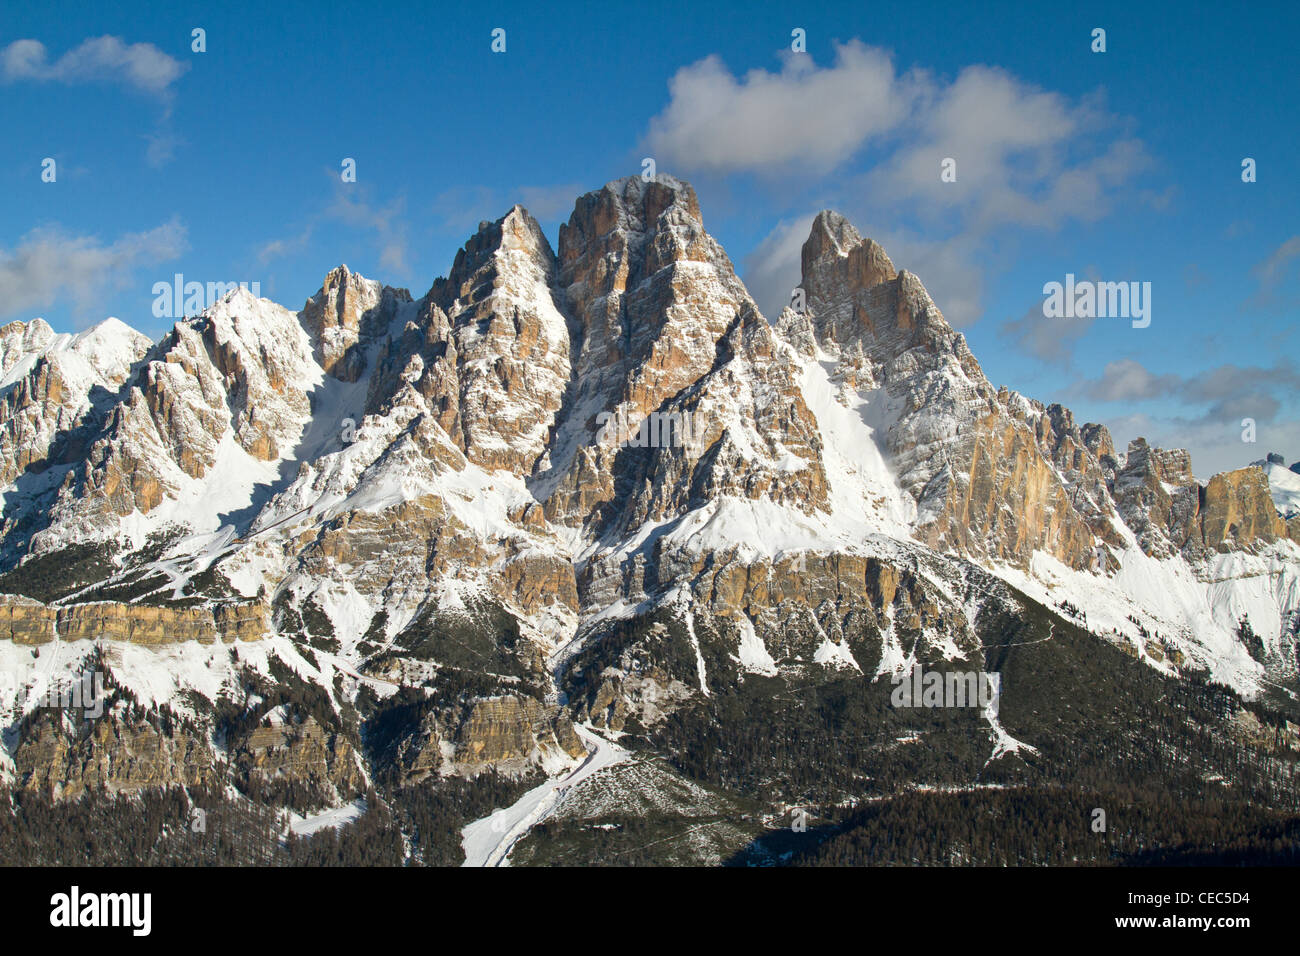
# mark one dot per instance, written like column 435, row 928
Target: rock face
column 216, row 398
column 51, row 384
column 508, row 733
column 1159, row 499
column 301, row 752
column 124, row 750
column 347, row 309
column 1084, row 458
column 1239, row 512
column 112, row 754
column 504, row 729
column 1170, row 513
column 968, row 455
column 668, row 341
column 499, row 349
column 25, row 621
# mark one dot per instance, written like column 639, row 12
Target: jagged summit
column 516, row 233
column 633, row 189
column 832, row 239
column 630, row 207
column 348, row 307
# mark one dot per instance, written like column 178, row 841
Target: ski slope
column 488, row 842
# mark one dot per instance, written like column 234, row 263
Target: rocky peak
column 105, row 351
column 484, row 259
column 1158, row 498
column 19, row 340
column 111, row 348
column 636, row 260
column 629, row 207
column 836, row 258
column 347, row 308
column 651, row 295
column 51, row 384
column 487, row 349
column 232, row 382
column 344, row 297
column 510, row 342
column 962, row 450
column 1097, row 439
column 1084, row 458
column 860, row 303
column 1169, row 512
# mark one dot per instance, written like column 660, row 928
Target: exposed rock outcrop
column 1158, row 498
column 1239, row 512
column 25, row 621
column 347, row 309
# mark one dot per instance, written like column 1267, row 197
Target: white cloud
column 802, row 115
column 1023, row 156
column 1125, row 380
column 141, row 66
column 1273, row 273
column 48, row 265
column 1228, row 389
column 278, row 248
column 1051, row 340
column 162, row 149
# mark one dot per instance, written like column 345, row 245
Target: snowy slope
column 1284, row 485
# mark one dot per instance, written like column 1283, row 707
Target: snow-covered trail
column 1051, row 632
column 488, row 842
column 341, row 665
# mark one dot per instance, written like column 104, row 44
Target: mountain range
column 587, row 503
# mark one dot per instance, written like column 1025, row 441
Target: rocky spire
column 657, row 308
column 347, row 307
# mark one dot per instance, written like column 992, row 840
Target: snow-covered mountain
column 592, row 486
column 1283, row 485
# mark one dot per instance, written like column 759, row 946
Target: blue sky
column 1123, row 165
